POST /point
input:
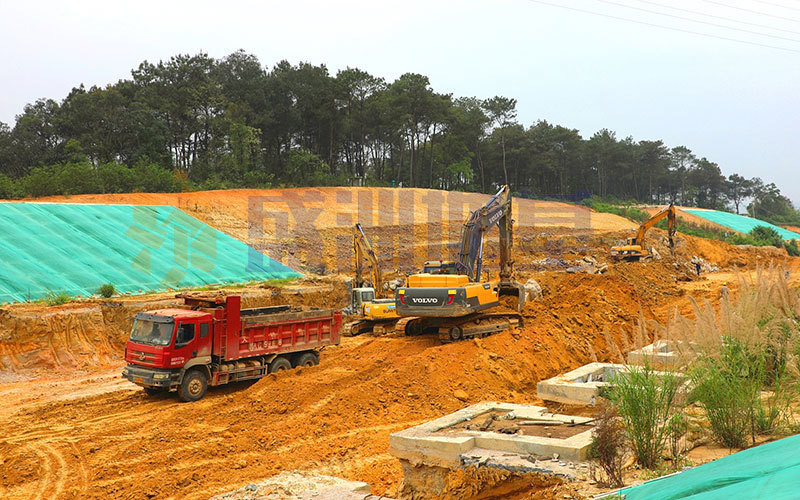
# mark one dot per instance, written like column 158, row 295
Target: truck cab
column 165, row 343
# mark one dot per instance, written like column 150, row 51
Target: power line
column 777, row 5
column 719, row 17
column 752, row 11
column 708, row 35
column 700, row 22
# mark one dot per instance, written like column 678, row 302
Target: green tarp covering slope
column 74, row 249
column 770, row 471
column 740, row 222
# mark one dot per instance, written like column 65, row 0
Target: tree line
column 196, row 122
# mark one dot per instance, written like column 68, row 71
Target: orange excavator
column 453, row 299
column 372, row 314
column 635, row 249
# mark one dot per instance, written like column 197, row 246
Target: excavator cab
column 361, row 296
column 439, row 267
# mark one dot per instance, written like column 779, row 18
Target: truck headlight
column 159, row 376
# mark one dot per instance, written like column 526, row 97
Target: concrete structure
column 660, row 352
column 439, row 443
column 584, row 385
column 580, row 386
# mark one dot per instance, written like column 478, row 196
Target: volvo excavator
column 635, row 249
column 452, row 298
column 373, row 314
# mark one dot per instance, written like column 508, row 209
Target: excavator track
column 369, row 326
column 465, row 327
column 401, row 326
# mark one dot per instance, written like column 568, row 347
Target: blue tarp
column 740, row 223
column 75, row 248
column 770, row 472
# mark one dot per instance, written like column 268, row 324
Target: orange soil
column 333, row 419
column 110, row 441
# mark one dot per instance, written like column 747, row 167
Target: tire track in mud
column 54, row 471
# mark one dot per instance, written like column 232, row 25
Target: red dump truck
column 212, row 341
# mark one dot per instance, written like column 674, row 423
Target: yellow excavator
column 635, row 249
column 373, row 314
column 451, row 298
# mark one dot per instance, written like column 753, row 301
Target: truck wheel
column 308, row 359
column 153, row 391
column 193, row 387
column 280, row 364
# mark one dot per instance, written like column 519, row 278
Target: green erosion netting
column 74, row 249
column 740, row 223
column 770, row 471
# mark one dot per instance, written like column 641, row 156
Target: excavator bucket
column 513, row 288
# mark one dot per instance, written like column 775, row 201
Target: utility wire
column 700, row 22
column 708, row 35
column 777, row 5
column 752, row 11
column 718, row 17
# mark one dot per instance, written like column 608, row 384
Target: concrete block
column 580, row 386
column 583, row 385
column 443, row 443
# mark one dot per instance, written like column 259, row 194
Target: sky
column 651, row 69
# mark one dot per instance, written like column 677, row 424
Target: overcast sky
column 571, row 62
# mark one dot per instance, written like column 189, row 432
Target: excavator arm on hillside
column 635, row 248
column 363, row 251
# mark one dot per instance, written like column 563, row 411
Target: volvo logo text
column 425, row 300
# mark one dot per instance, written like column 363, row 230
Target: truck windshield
column 151, row 332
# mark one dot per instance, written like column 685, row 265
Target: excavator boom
column 496, row 211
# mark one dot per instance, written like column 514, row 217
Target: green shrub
column 116, row 178
column 151, row 178
column 792, row 248
column 645, row 400
column 108, row 290
column 623, row 210
column 766, row 236
column 8, row 188
column 56, row 299
column 77, row 178
column 254, row 179
column 727, row 389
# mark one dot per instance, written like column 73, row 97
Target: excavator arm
column 363, row 251
column 497, row 211
column 671, row 213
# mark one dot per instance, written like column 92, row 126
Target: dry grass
column 742, row 357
